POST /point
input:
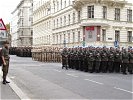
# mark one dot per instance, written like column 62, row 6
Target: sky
column 8, row 6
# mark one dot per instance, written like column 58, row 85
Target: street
column 46, row 81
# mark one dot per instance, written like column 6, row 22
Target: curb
column 16, row 89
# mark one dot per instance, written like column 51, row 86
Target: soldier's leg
column 97, row 66
column 130, row 68
column 5, row 71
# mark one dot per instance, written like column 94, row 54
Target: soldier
column 130, row 68
column 111, row 60
column 64, row 59
column 104, row 60
column 81, row 55
column 97, row 60
column 125, row 61
column 117, row 60
column 5, row 59
column 90, row 60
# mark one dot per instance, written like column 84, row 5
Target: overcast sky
column 7, row 6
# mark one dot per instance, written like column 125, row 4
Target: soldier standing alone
column 5, row 60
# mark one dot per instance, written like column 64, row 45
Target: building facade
column 21, row 24
column 83, row 23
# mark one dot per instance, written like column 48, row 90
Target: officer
column 117, row 60
column 125, row 61
column 5, row 59
column 130, row 68
column 64, row 58
column 97, row 60
column 111, row 60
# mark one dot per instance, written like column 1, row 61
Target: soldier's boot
column 66, row 67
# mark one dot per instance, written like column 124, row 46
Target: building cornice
column 77, row 4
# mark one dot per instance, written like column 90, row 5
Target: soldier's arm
column 2, row 56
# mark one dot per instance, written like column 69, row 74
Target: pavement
column 6, row 92
column 32, row 80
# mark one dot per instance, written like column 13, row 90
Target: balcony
column 24, row 36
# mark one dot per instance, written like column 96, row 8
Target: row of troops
column 96, row 59
column 47, row 54
column 21, row 51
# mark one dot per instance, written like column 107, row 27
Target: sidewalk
column 6, row 92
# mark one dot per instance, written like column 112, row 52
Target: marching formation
column 97, row 59
column 47, row 54
column 21, row 51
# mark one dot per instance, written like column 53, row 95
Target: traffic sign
column 2, row 25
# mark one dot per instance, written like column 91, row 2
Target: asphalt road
column 48, row 81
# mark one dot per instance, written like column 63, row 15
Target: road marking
column 57, row 70
column 94, row 81
column 72, row 75
column 123, row 90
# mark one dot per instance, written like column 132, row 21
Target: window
column 54, row 24
column 117, row 14
column 117, row 36
column 104, row 12
column 129, row 36
column 57, row 23
column 60, row 39
column 64, row 20
column 57, row 5
column 129, row 15
column 69, row 19
column 57, row 39
column 78, row 36
column 65, row 3
column 73, row 37
column 61, row 4
column 103, row 35
column 90, row 11
column 73, row 18
column 61, row 22
column 68, row 37
column 89, row 34
column 79, row 16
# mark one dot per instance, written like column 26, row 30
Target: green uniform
column 5, row 54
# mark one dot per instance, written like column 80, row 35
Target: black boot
column 4, row 82
column 7, row 82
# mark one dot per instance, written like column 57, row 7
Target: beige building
column 82, row 23
column 21, row 24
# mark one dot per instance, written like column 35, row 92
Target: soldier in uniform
column 104, row 60
column 90, row 60
column 64, row 58
column 97, row 60
column 5, row 59
column 117, row 60
column 111, row 60
column 130, row 68
column 125, row 61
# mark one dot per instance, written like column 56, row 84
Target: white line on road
column 57, row 70
column 94, row 81
column 123, row 90
column 72, row 75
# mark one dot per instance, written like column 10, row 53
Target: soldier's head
column 6, row 44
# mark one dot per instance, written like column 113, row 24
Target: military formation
column 98, row 59
column 47, row 54
column 21, row 51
